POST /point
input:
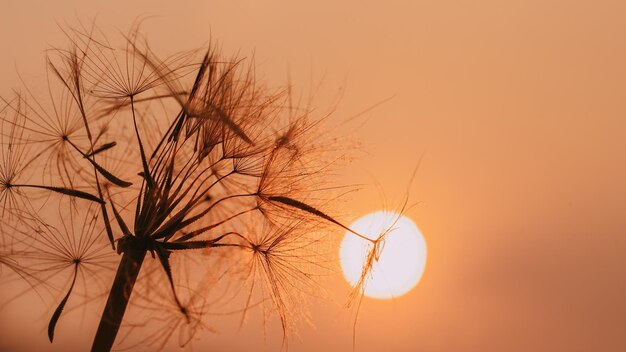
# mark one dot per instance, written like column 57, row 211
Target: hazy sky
column 519, row 109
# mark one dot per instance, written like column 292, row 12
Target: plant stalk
column 125, row 278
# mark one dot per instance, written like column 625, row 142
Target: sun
column 402, row 259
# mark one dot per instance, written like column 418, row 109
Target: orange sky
column 519, row 110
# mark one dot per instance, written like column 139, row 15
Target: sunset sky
column 518, row 110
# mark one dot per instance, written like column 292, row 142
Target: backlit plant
column 164, row 179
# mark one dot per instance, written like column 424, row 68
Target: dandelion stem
column 119, row 295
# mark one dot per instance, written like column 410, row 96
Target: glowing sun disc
column 402, row 259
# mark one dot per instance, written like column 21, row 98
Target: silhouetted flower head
column 187, row 163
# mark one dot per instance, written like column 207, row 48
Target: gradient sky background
column 519, row 108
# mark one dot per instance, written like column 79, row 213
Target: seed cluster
column 190, row 162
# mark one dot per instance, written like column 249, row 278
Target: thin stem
column 146, row 170
column 57, row 313
column 67, row 191
column 119, row 295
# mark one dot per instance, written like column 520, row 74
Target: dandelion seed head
column 203, row 185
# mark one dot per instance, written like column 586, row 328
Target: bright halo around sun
column 402, row 259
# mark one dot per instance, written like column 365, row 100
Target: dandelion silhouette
column 191, row 164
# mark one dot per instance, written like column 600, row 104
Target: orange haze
column 519, row 110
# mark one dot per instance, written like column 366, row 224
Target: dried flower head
column 191, row 170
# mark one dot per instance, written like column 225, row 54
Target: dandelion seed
column 74, row 251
